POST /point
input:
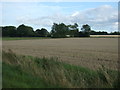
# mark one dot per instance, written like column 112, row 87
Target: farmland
column 87, row 52
column 59, row 44
column 104, row 36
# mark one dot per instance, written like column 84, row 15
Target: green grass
column 23, row 38
column 32, row 72
column 14, row 76
column 31, row 38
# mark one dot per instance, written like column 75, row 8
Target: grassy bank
column 32, row 72
column 23, row 38
column 30, row 38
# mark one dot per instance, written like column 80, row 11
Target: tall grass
column 33, row 72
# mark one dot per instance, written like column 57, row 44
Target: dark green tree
column 25, row 31
column 115, row 33
column 37, row 32
column 9, row 31
column 42, row 33
column 86, row 29
column 59, row 30
column 73, row 30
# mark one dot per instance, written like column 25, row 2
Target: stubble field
column 87, row 52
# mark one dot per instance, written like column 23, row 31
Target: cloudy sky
column 99, row 15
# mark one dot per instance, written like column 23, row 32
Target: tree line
column 23, row 31
column 57, row 31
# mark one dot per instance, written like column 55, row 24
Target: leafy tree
column 25, row 31
column 37, row 32
column 59, row 30
column 92, row 32
column 74, row 31
column 86, row 29
column 115, row 33
column 42, row 33
column 9, row 31
column 98, row 33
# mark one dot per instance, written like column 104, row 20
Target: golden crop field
column 110, row 36
column 88, row 52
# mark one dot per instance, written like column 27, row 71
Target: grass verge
column 32, row 72
column 23, row 38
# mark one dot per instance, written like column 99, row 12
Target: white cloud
column 101, row 18
column 0, row 14
column 115, row 25
column 75, row 14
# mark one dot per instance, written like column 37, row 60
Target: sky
column 101, row 16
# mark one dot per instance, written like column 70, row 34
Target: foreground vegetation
column 32, row 72
column 31, row 38
column 23, row 38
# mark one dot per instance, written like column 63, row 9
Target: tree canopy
column 9, row 31
column 42, row 33
column 86, row 29
column 25, row 31
column 59, row 30
column 73, row 30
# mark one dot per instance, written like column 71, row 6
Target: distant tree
column 92, row 32
column 59, row 30
column 42, row 33
column 86, row 29
column 9, row 31
column 98, row 32
column 115, row 33
column 25, row 31
column 73, row 30
column 102, row 33
column 37, row 32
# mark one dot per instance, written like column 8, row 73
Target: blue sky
column 99, row 15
